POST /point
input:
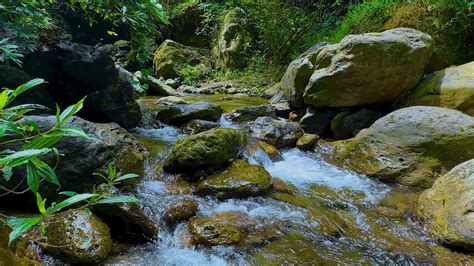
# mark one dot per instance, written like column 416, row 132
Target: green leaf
column 7, row 173
column 68, row 202
column 125, row 177
column 32, row 177
column 21, row 157
column 41, row 203
column 3, row 99
column 75, row 132
column 70, row 111
column 24, row 87
column 68, row 193
column 46, row 172
column 21, row 226
column 118, row 199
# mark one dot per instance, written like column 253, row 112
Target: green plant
column 112, row 178
column 193, row 74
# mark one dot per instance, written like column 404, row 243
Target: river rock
column 447, row 207
column 20, row 252
column 182, row 113
column 172, row 57
column 256, row 146
column 125, row 76
column 74, row 71
column 307, row 142
column 316, row 121
column 180, row 210
column 350, row 124
column 155, row 86
column 451, row 88
column 233, row 40
column 240, row 179
column 296, row 77
column 209, row 149
column 127, row 221
column 78, row 237
column 251, row 113
column 278, row 133
column 365, row 69
column 197, row 126
column 171, row 100
column 411, row 146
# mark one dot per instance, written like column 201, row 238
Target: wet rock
column 171, row 100
column 411, row 146
column 127, row 221
column 307, row 142
column 451, row 88
column 296, row 115
column 296, row 77
column 180, row 210
column 276, row 132
column 173, row 83
column 251, row 113
column 76, row 236
column 316, row 121
column 197, row 126
column 232, row 43
column 239, row 180
column 155, row 86
column 351, row 124
column 125, row 76
column 20, row 251
column 171, row 57
column 183, row 113
column 256, row 147
column 447, row 207
column 282, row 109
column 272, row 91
column 209, row 149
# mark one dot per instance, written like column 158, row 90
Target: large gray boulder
column 279, row 133
column 182, row 113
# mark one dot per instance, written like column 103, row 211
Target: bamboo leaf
column 21, row 226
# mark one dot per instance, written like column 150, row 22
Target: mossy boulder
column 368, row 68
column 180, row 210
column 240, row 179
column 451, row 88
column 197, row 126
column 210, row 149
column 233, row 41
column 172, row 57
column 411, row 146
column 279, row 133
column 182, row 113
column 347, row 125
column 447, row 207
column 19, row 252
column 76, row 236
column 307, row 142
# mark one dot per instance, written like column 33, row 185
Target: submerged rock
column 411, row 146
column 76, row 236
column 183, row 113
column 197, row 126
column 239, row 180
column 447, row 207
column 180, row 210
column 278, row 133
column 451, row 88
column 210, row 149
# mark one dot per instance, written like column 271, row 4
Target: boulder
column 182, row 113
column 125, row 76
column 180, row 210
column 251, row 113
column 279, row 133
column 411, row 146
column 307, row 142
column 20, row 252
column 77, row 237
column 171, row 57
column 447, row 207
column 171, row 100
column 296, row 77
column 282, row 109
column 239, row 180
column 127, row 221
column 74, row 71
column 233, row 41
column 451, row 88
column 197, row 126
column 210, row 149
column 258, row 146
column 350, row 124
column 316, row 121
column 366, row 69
column 155, row 86
column 82, row 157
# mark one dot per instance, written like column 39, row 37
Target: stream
column 329, row 215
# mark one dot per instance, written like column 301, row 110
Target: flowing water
column 329, row 216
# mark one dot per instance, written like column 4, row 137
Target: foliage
column 193, row 74
column 112, row 179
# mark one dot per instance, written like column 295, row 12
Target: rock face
column 411, row 146
column 183, row 113
column 74, row 71
column 240, row 179
column 276, row 132
column 316, row 121
column 78, row 237
column 350, row 124
column 451, row 88
column 297, row 75
column 230, row 50
column 171, row 57
column 126, row 220
column 83, row 157
column 361, row 69
column 209, row 149
column 180, row 210
column 250, row 113
column 447, row 207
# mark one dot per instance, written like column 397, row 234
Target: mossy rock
column 20, row 252
column 307, row 142
column 240, row 179
column 451, row 88
column 182, row 113
column 278, row 133
column 210, row 149
column 180, row 210
column 76, row 236
column 412, row 146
